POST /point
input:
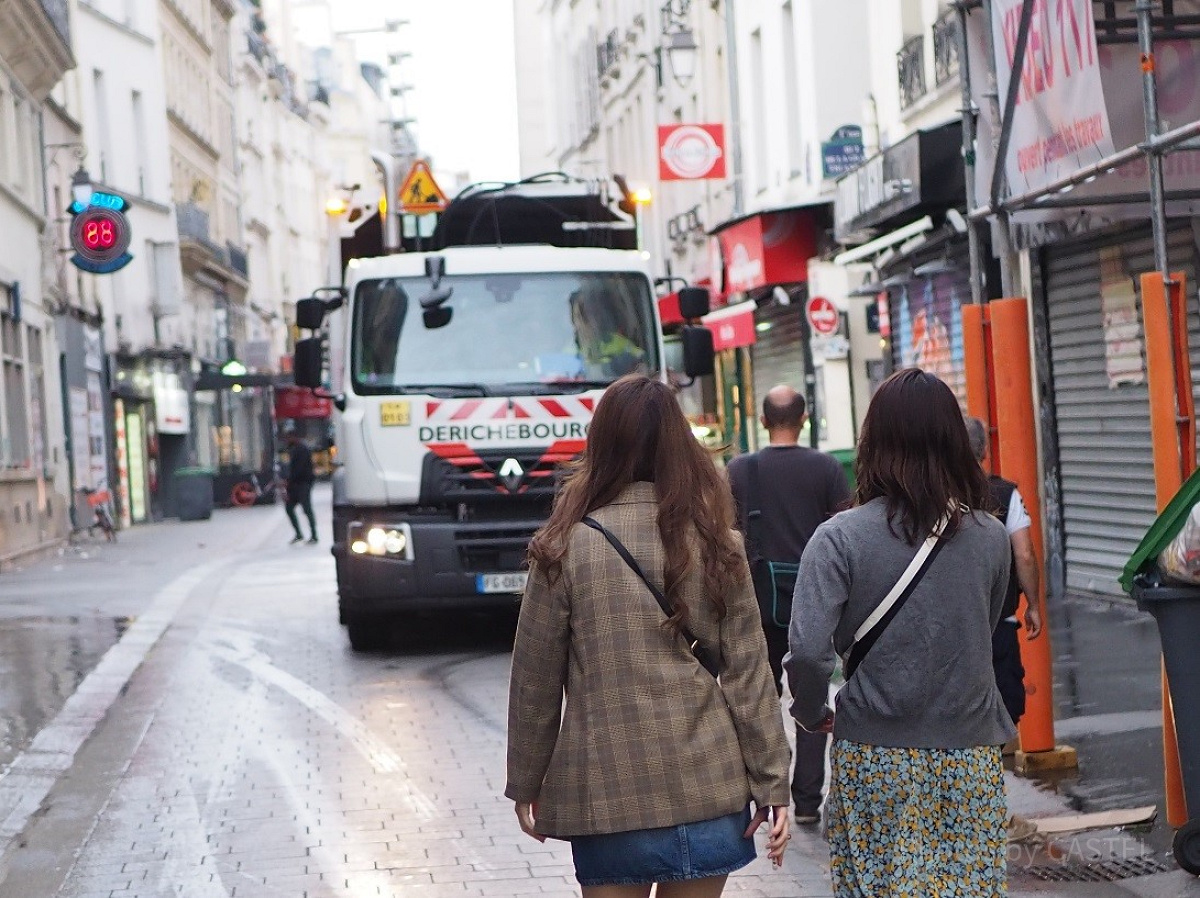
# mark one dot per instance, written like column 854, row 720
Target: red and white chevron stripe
column 541, row 408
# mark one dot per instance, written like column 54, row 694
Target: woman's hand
column 825, row 726
column 525, row 811
column 778, row 837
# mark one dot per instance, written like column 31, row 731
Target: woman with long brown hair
column 907, row 587
column 640, row 611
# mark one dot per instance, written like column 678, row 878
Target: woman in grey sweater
column 916, row 803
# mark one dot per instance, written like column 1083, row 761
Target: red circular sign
column 823, row 315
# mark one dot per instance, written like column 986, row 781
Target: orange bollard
column 975, row 362
column 1169, row 467
column 1016, row 423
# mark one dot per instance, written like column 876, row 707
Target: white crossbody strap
column 902, row 584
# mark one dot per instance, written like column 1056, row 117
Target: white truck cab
column 464, row 378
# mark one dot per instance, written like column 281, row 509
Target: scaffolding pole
column 1158, row 208
column 969, row 113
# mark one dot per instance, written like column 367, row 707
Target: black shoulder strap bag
column 872, row 628
column 774, row 581
column 707, row 660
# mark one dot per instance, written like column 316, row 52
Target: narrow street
column 198, row 726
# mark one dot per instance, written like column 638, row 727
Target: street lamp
column 681, row 55
column 81, row 186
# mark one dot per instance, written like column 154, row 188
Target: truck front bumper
column 448, row 559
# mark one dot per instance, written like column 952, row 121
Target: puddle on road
column 42, row 663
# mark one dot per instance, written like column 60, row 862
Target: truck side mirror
column 699, row 357
column 438, row 316
column 694, row 302
column 307, row 362
column 310, row 313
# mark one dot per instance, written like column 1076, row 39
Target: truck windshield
column 549, row 331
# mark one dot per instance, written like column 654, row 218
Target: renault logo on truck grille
column 511, row 474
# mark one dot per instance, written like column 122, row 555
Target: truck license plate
column 501, row 582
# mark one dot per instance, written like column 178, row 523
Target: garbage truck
column 464, row 376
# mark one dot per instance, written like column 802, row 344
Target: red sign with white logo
column 732, row 327
column 767, row 249
column 744, row 255
column 301, row 403
column 691, row 152
column 823, row 315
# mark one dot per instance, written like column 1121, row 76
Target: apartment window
column 791, row 79
column 37, row 397
column 6, row 148
column 25, row 141
column 761, row 154
column 12, row 356
column 102, row 123
column 139, row 143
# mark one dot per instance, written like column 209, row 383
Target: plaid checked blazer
column 646, row 738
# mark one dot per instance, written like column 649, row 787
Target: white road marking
column 33, row 773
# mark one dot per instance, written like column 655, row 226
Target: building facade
column 35, row 486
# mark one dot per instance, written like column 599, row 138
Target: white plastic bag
column 1180, row 560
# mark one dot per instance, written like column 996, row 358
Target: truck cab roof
column 519, row 259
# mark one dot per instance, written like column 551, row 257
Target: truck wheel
column 1187, row 846
column 367, row 634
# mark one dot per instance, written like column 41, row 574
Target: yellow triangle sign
column 420, row 194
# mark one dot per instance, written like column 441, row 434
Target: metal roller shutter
column 1105, row 457
column 778, row 356
column 927, row 317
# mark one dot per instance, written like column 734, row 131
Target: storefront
column 1093, row 330
column 904, row 207
column 237, row 410
column 86, row 407
column 764, row 258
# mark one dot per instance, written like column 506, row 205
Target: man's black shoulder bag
column 774, row 581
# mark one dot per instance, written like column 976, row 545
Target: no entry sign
column 823, row 315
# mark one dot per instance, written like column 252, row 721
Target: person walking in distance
column 641, row 721
column 804, row 489
column 299, row 486
column 1009, row 507
column 907, row 587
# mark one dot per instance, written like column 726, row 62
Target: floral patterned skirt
column 917, row 822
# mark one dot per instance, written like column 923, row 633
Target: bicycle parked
column 100, row 501
column 251, row 491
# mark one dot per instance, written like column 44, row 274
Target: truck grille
column 493, row 549
column 454, row 472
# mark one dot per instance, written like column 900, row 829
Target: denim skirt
column 670, row 854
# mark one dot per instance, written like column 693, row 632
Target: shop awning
column 767, row 249
column 301, row 403
column 733, row 326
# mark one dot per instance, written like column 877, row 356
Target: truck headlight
column 381, row 540
column 395, row 542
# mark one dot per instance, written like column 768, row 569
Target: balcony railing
column 910, row 67
column 193, row 222
column 258, row 47
column 608, row 52
column 945, row 47
column 238, row 260
column 56, row 12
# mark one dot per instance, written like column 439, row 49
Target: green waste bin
column 1176, row 610
column 846, row 457
column 194, row 493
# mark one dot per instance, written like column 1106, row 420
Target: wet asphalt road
column 231, row 744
